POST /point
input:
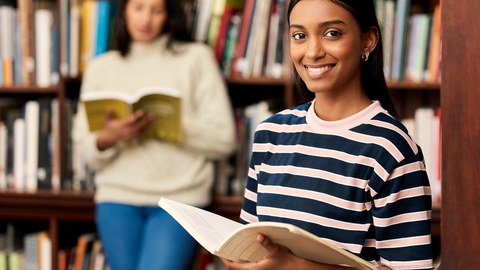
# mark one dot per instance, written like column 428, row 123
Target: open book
column 234, row 241
column 163, row 102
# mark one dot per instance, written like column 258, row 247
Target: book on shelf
column 387, row 27
column 19, row 152
column 38, row 250
column 435, row 45
column 45, row 250
column 161, row 101
column 26, row 20
column 234, row 241
column 32, row 120
column 43, row 172
column 43, row 46
column 231, row 8
column 7, row 46
column 243, row 34
column 202, row 20
column 73, row 39
column 83, row 250
column 3, row 155
column 275, row 52
column 215, row 14
column 417, row 50
column 400, row 33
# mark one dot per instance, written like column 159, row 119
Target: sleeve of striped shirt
column 249, row 213
column 401, row 217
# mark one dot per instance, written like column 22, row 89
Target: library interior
column 47, row 190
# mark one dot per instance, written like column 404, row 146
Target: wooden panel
column 460, row 95
column 45, row 205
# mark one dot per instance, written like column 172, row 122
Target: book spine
column 7, row 37
column 43, row 44
column 400, row 39
column 103, row 27
column 44, row 165
column 32, row 114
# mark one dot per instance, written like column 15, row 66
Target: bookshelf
column 456, row 224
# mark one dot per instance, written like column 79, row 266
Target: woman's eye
column 333, row 33
column 298, row 36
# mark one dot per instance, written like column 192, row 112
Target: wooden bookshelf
column 50, row 207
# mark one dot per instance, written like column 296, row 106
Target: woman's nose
column 315, row 49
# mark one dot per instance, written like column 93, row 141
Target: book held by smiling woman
column 234, row 241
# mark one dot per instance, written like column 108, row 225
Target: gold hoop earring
column 365, row 56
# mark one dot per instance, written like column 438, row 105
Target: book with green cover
column 164, row 102
column 234, row 241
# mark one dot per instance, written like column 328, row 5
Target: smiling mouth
column 316, row 71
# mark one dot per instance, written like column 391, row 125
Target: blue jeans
column 143, row 238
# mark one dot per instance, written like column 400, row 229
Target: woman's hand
column 116, row 130
column 277, row 257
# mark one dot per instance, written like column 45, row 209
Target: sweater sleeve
column 85, row 141
column 211, row 131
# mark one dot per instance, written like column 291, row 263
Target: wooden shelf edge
column 407, row 85
column 22, row 90
column 47, row 204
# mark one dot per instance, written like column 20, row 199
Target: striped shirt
column 359, row 182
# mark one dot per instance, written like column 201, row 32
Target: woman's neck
column 333, row 108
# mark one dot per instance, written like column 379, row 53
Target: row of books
column 87, row 254
column 231, row 174
column 33, row 250
column 36, row 46
column 425, row 128
column 412, row 41
column 29, row 144
column 30, row 157
column 28, row 42
column 247, row 36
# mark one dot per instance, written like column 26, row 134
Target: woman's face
column 145, row 19
column 326, row 46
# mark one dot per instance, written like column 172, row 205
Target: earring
column 365, row 56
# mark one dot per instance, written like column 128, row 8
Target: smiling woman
column 340, row 166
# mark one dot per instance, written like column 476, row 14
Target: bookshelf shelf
column 257, row 81
column 417, row 86
column 46, row 204
column 28, row 90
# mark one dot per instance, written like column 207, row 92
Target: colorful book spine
column 402, row 14
column 103, row 26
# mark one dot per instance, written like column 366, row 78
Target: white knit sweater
column 140, row 173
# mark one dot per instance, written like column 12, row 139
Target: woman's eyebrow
column 323, row 24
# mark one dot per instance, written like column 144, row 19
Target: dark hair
column 372, row 73
column 176, row 26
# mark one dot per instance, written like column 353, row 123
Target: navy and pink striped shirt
column 359, row 182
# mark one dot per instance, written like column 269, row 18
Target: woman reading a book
column 152, row 48
column 340, row 166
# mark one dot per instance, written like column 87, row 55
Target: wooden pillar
column 460, row 98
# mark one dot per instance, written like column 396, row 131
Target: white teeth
column 320, row 69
